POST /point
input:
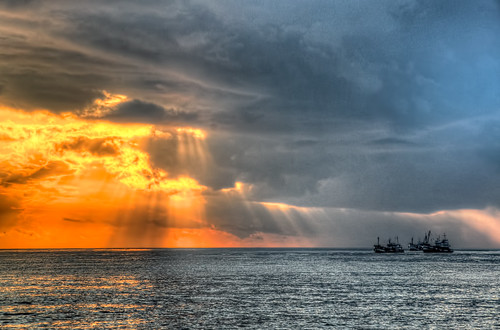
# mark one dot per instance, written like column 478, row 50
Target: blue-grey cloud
column 146, row 112
column 15, row 4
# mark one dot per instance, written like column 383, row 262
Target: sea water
column 250, row 288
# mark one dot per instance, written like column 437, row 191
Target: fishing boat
column 391, row 247
column 378, row 248
column 412, row 246
column 440, row 246
column 422, row 244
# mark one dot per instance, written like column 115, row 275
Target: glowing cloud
column 486, row 222
column 70, row 177
column 197, row 133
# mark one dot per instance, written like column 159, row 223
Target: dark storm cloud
column 360, row 104
column 38, row 76
column 145, row 112
column 423, row 73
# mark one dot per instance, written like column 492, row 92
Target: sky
column 248, row 123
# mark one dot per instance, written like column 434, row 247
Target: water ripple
column 251, row 288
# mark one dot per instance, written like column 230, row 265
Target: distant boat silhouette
column 440, row 246
column 391, row 247
column 412, row 246
column 421, row 245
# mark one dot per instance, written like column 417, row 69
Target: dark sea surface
column 250, row 288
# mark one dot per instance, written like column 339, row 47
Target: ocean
column 248, row 288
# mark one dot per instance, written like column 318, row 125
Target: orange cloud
column 77, row 182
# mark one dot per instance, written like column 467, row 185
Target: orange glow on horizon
column 211, row 238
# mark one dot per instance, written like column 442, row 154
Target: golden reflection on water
column 41, row 285
column 59, row 301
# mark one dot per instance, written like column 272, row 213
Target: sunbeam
column 70, row 175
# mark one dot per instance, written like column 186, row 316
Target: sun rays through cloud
column 190, row 124
column 71, row 181
column 88, row 183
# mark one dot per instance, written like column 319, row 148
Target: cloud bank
column 388, row 110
